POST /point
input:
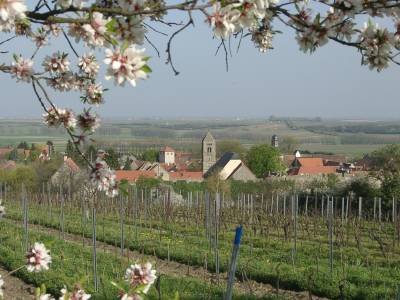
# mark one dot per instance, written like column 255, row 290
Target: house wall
column 243, row 173
column 167, row 157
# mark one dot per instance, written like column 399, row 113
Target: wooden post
column 25, row 208
column 359, row 208
column 330, row 220
column 94, row 249
column 380, row 210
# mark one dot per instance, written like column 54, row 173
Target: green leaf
column 146, row 58
column 124, row 46
column 146, row 69
column 111, row 25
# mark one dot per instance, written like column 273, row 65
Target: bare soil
column 16, row 289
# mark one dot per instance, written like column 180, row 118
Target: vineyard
column 297, row 246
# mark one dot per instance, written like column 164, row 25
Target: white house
column 167, row 155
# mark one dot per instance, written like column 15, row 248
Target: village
column 171, row 165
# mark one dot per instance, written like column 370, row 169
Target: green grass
column 266, row 258
column 72, row 263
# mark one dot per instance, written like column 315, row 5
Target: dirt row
column 176, row 269
column 15, row 288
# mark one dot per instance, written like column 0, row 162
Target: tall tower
column 209, row 150
column 275, row 141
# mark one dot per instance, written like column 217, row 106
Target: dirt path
column 16, row 289
column 176, row 269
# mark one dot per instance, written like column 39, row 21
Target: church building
column 229, row 165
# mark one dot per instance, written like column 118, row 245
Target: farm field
column 282, row 250
column 352, row 138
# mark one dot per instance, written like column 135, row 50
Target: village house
column 133, row 175
column 310, row 166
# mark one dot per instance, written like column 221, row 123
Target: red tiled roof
column 311, row 166
column 186, row 175
column 133, row 175
column 167, row 149
column 313, row 170
column 310, row 162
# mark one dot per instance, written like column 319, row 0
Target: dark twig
column 69, row 42
column 152, row 45
column 169, row 58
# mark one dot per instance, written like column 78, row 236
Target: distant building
column 68, row 173
column 275, row 141
column 167, row 155
column 209, row 152
column 133, row 175
column 310, row 166
column 187, row 176
column 230, row 166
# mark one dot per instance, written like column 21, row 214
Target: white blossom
column 223, row 20
column 141, row 275
column 262, row 38
column 88, row 65
column 130, row 30
column 56, row 117
column 104, row 179
column 38, row 258
column 94, row 94
column 377, row 44
column 131, row 5
column 21, row 68
column 40, row 38
column 77, row 294
column 12, row 9
column 94, row 34
column 125, row 65
column 55, row 29
column 57, row 63
column 69, row 3
column 88, row 122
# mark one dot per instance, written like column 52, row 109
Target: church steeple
column 209, row 151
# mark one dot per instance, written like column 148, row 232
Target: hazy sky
column 283, row 82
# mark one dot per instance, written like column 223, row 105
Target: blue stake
column 232, row 268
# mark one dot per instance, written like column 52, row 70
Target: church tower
column 209, row 152
column 275, row 141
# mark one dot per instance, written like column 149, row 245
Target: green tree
column 112, row 159
column 263, row 159
column 390, row 186
column 150, row 155
column 231, row 146
column 288, row 144
column 23, row 145
column 386, row 158
column 127, row 165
